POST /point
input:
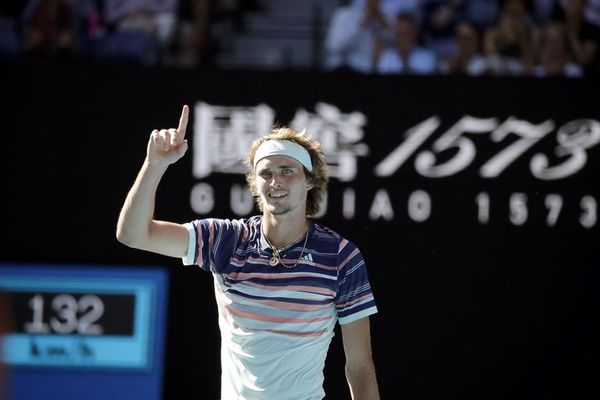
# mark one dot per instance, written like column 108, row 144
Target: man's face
column 281, row 185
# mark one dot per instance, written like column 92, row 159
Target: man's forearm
column 136, row 215
column 363, row 383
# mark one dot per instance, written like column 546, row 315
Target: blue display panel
column 74, row 327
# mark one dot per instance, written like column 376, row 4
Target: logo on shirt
column 306, row 259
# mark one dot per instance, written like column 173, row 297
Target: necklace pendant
column 274, row 261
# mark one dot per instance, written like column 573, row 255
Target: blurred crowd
column 147, row 32
column 466, row 37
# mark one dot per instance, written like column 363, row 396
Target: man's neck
column 282, row 230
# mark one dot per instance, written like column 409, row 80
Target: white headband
column 287, row 148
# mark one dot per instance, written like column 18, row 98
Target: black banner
column 474, row 201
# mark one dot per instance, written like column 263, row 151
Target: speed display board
column 84, row 322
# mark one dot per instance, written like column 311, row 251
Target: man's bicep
column 168, row 238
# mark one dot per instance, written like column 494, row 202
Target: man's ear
column 309, row 184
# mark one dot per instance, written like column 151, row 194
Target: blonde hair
column 318, row 178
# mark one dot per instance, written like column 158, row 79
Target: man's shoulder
column 250, row 223
column 327, row 234
column 253, row 220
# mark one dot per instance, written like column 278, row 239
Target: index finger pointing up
column 183, row 121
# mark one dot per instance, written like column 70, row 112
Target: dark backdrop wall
column 474, row 202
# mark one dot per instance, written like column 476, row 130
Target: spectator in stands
column 553, row 56
column 11, row 41
column 204, row 27
column 438, row 24
column 508, row 46
column 49, row 28
column 592, row 12
column 153, row 17
column 468, row 59
column 391, row 8
column 192, row 45
column 583, row 36
column 406, row 55
column 541, row 10
column 352, row 35
column 137, row 31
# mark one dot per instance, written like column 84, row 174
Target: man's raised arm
column 136, row 226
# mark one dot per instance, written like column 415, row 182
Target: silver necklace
column 277, row 258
